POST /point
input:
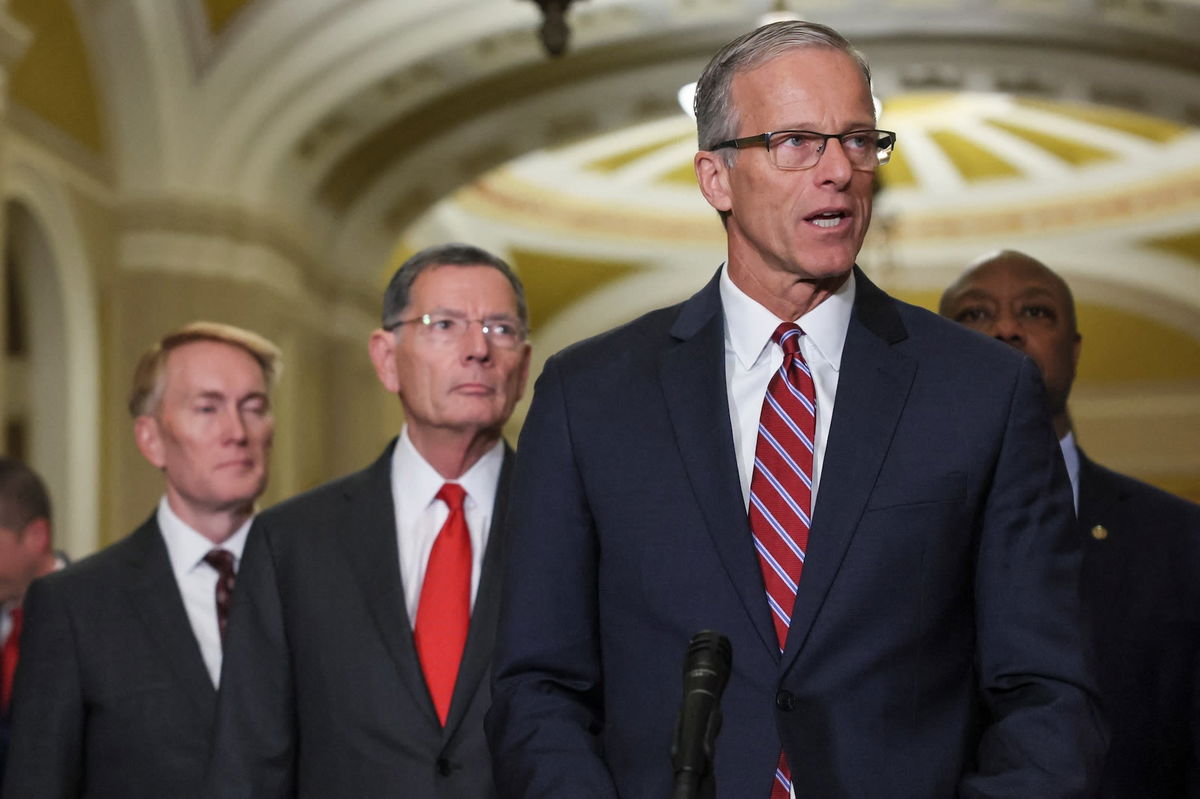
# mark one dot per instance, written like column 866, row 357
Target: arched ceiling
column 56, row 57
column 343, row 133
column 356, row 115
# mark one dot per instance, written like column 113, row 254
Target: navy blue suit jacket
column 936, row 645
column 1142, row 586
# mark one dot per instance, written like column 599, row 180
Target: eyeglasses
column 802, row 149
column 445, row 328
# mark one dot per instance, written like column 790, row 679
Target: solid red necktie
column 444, row 608
column 781, row 492
column 9, row 655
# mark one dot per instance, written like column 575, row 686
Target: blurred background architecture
column 268, row 162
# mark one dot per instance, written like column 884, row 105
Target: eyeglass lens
column 864, row 149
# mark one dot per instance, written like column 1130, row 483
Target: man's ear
column 712, row 173
column 148, row 437
column 36, row 535
column 382, row 348
column 526, row 357
column 1077, row 348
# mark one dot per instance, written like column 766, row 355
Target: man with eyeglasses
column 923, row 638
column 359, row 647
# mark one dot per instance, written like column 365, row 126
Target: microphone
column 705, row 673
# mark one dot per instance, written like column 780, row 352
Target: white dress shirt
column 197, row 580
column 751, row 358
column 1071, row 456
column 420, row 515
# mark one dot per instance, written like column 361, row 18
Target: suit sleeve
column 1043, row 735
column 1192, row 767
column 254, row 748
column 545, row 723
column 45, row 760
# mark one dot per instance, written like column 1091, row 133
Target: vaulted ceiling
column 350, row 132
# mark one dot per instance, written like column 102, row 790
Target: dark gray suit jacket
column 322, row 693
column 112, row 698
column 1141, row 582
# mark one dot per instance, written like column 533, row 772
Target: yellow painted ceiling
column 1185, row 244
column 974, row 161
column 897, row 172
column 53, row 79
column 612, row 163
column 1072, row 150
column 220, row 13
column 554, row 281
column 1153, row 128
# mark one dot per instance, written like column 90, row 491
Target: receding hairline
column 149, row 378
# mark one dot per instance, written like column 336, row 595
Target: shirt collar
column 421, row 482
column 1071, row 456
column 749, row 326
column 186, row 547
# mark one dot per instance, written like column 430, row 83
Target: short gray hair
column 396, row 297
column 716, row 118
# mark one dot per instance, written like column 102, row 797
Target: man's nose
column 476, row 345
column 1008, row 329
column 235, row 425
column 833, row 165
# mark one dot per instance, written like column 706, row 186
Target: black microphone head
column 709, row 660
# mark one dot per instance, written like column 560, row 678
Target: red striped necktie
column 781, row 492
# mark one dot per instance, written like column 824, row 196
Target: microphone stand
column 705, row 673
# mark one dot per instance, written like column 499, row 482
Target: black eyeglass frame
column 764, row 140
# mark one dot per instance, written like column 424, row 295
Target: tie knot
column 787, row 336
column 452, row 494
column 221, row 560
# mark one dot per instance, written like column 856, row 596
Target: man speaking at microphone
column 868, row 501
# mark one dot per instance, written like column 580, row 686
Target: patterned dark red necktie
column 222, row 561
column 781, row 492
column 444, row 609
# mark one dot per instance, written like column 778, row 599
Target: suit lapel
column 370, row 546
column 693, row 380
column 481, row 637
column 155, row 595
column 1097, row 496
column 1106, row 575
column 873, row 386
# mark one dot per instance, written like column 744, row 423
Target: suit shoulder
column 1149, row 499
column 622, row 342
column 943, row 338
column 315, row 501
column 100, row 571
